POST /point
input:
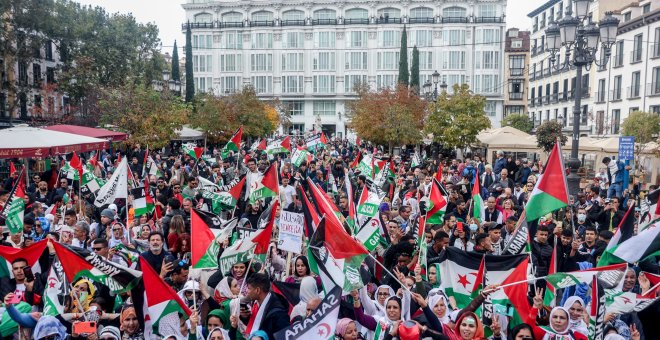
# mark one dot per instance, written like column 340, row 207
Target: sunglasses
column 116, row 229
column 383, row 294
column 98, row 249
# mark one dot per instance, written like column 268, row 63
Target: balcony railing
column 324, row 22
column 363, row 21
column 488, row 19
column 554, row 98
column 636, row 56
column 633, row 92
column 656, row 50
column 293, row 22
column 386, row 20
column 421, row 20
column 615, row 94
column 617, row 61
column 653, row 89
column 454, row 20
column 515, row 96
column 261, row 23
column 531, row 102
column 600, row 97
column 197, row 25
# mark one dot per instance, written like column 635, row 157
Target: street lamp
column 443, row 87
column 580, row 38
column 436, row 78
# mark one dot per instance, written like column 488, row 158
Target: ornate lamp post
column 579, row 36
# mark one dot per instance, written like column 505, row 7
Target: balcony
column 539, row 100
column 636, row 56
column 488, row 20
column 197, row 25
column 231, row 24
column 555, row 98
column 600, row 97
column 296, row 22
column 531, row 102
column 515, row 96
column 546, row 99
column 362, row 21
column 262, row 23
column 633, row 92
column 454, row 20
column 387, row 20
column 324, row 22
column 617, row 61
column 421, row 20
column 655, row 48
column 653, row 89
column 615, row 94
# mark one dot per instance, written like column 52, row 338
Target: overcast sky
column 168, row 15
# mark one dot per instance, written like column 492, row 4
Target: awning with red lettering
column 32, row 142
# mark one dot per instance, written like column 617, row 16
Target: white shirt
column 286, row 195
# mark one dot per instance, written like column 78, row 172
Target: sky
column 168, row 15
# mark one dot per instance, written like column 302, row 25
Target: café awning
column 89, row 132
column 32, row 142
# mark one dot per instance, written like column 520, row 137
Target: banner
column 291, row 231
column 116, row 187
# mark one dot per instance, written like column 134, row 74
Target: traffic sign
column 626, row 148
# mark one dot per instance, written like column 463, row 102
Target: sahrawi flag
column 301, row 156
column 268, row 186
column 315, row 142
column 30, row 253
column 437, row 205
column 204, row 248
column 224, row 200
column 79, row 262
column 279, row 146
column 14, row 210
column 520, row 241
column 638, row 248
column 619, row 302
column 57, row 289
column 368, row 204
column 234, row 144
column 116, row 187
column 650, row 209
column 550, row 192
column 164, row 305
column 320, row 324
column 478, row 210
column 597, row 311
column 338, row 256
column 460, row 273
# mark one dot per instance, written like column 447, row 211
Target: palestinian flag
column 192, row 151
column 324, row 204
column 624, row 231
column 608, row 276
column 351, row 220
column 520, row 242
column 422, row 248
column 650, row 210
column 311, row 220
column 263, row 237
column 638, row 248
column 14, row 209
column 204, row 248
column 268, row 186
column 356, row 161
column 164, row 305
column 12, row 169
column 234, row 143
column 279, row 146
column 550, row 192
column 212, row 220
column 56, row 291
column 290, row 291
column 435, row 212
column 367, row 205
column 140, row 205
column 76, row 164
column 31, row 254
column 259, row 145
column 338, row 256
column 438, row 173
column 130, row 256
column 225, row 200
column 480, row 279
column 549, row 296
column 479, row 208
column 597, row 311
column 370, row 167
column 320, row 325
column 79, row 262
column 315, row 142
column 301, row 156
column 415, row 161
column 460, row 271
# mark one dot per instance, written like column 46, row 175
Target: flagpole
column 534, row 279
column 247, row 270
column 194, row 297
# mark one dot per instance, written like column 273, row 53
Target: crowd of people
column 401, row 297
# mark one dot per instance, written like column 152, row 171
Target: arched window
column 389, row 12
column 293, row 15
column 204, row 17
column 421, row 12
column 357, row 13
column 454, row 12
column 262, row 16
column 232, row 17
column 325, row 14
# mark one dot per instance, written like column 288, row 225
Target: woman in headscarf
column 347, row 330
column 48, row 327
column 396, row 310
column 82, row 295
column 521, row 332
column 469, row 327
column 308, row 291
column 218, row 334
column 226, row 296
column 575, row 307
column 239, row 272
column 129, row 324
column 560, row 326
column 376, row 307
column 258, row 335
column 186, row 294
column 434, row 270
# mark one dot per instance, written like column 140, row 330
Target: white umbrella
column 31, row 142
column 187, row 133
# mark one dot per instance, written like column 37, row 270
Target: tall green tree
column 403, row 59
column 645, row 127
column 414, row 70
column 548, row 133
column 176, row 75
column 455, row 121
column 519, row 121
column 190, row 80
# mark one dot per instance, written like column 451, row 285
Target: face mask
column 473, row 227
column 581, row 217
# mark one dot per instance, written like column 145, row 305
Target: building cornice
column 543, row 7
column 640, row 21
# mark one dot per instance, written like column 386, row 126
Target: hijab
column 258, row 333
column 479, row 334
column 568, row 316
column 378, row 305
column 308, row 291
column 434, row 300
column 342, row 326
column 577, row 325
column 223, row 290
column 49, row 325
column 225, row 333
column 84, row 303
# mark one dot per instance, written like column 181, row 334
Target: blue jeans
column 616, row 189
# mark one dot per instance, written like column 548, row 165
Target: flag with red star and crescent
column 320, row 324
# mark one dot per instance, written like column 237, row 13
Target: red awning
column 89, row 132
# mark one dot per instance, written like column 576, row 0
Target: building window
column 488, row 10
column 600, row 96
column 488, row 36
column 324, row 39
column 454, row 60
column 294, row 107
column 357, row 13
column 426, row 60
column 616, row 93
column 203, row 63
column 324, row 84
column 324, row 108
column 356, row 39
column 454, row 12
column 386, row 81
column 490, row 109
column 389, row 38
column 232, row 40
column 516, row 65
column 516, row 89
column 634, row 85
column 293, row 84
column 637, row 49
column 49, row 50
column 262, row 16
column 232, row 17
column 325, row 14
column 351, row 82
column 516, row 43
column 488, row 60
column 262, row 62
column 324, row 61
column 203, row 84
column 294, row 40
column 453, row 37
column 389, row 13
column 36, row 75
column 298, row 128
column 293, row 15
column 627, row 16
column 388, row 60
column 356, row 60
column 202, row 41
column 231, row 62
column 262, row 40
column 618, row 58
column 655, row 86
column 293, row 61
column 203, row 18
column 616, row 118
column 423, row 38
column 230, row 84
column 22, row 73
column 262, row 84
column 646, row 8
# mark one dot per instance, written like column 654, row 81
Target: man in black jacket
column 541, row 254
column 268, row 313
column 28, row 291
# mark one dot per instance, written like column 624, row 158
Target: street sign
column 626, row 148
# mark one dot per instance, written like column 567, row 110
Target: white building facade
column 631, row 80
column 310, row 55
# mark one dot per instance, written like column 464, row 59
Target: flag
column 140, row 201
column 14, row 209
column 351, row 220
column 225, row 200
column 460, row 271
column 369, row 233
column 338, row 256
column 30, row 253
column 324, row 204
column 311, row 220
column 608, row 276
column 368, row 166
column 130, row 256
column 279, row 146
column 422, row 248
column 623, row 232
column 320, row 325
column 368, row 205
column 438, row 173
column 56, row 291
column 192, row 150
column 520, row 241
column 596, row 312
column 164, row 305
column 638, row 248
column 415, row 161
column 437, row 206
column 116, row 187
column 153, row 168
column 204, row 249
column 239, row 251
column 259, row 145
column 315, row 142
column 290, row 291
column 268, row 186
column 479, row 208
column 619, row 302
column 356, row 161
column 79, row 262
column 301, row 156
column 650, row 210
column 550, row 192
column 76, row 164
column 205, row 184
column 90, row 183
column 549, row 296
column 12, row 169
column 234, row 144
column 263, row 236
